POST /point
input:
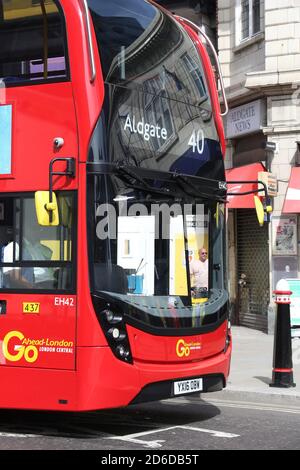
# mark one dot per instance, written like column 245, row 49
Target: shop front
column 285, row 242
column 249, row 267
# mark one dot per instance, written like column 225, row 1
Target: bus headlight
column 114, row 328
column 122, row 351
column 114, row 332
column 112, row 317
column 117, row 334
column 228, row 336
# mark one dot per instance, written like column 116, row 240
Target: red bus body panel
column 58, row 358
column 40, row 113
column 100, row 380
column 164, row 349
column 39, row 340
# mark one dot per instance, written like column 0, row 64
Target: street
column 211, row 422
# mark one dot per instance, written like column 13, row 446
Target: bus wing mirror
column 44, row 208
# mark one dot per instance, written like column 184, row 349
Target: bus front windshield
column 161, row 256
column 155, row 173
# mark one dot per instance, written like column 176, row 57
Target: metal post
column 282, row 360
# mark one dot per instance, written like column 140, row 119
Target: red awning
column 292, row 198
column 243, row 173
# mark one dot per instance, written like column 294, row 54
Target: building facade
column 259, row 50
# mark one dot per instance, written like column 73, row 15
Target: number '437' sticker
column 31, row 307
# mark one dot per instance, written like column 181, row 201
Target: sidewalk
column 252, row 362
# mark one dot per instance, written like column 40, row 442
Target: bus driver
column 199, row 270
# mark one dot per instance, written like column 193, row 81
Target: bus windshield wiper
column 146, row 180
column 126, row 174
column 189, row 188
column 131, row 177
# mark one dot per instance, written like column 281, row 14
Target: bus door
column 37, row 124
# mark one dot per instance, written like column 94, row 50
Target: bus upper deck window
column 32, row 42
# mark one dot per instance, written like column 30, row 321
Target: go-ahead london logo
column 184, row 349
column 16, row 346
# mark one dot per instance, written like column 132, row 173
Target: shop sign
column 245, row 119
column 270, row 181
column 284, row 235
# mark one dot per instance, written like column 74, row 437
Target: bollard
column 282, row 360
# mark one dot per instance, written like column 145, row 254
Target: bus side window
column 32, row 42
column 6, row 230
column 33, row 257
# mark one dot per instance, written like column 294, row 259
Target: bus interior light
column 122, row 198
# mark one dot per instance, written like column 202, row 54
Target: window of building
column 158, row 110
column 248, row 22
column 32, row 42
column 195, row 72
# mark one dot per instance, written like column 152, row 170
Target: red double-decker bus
column 112, row 222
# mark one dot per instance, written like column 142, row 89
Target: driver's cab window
column 34, row 256
column 32, row 42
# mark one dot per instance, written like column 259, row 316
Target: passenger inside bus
column 25, row 277
column 14, row 277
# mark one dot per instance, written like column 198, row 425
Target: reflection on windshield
column 143, row 48
column 157, row 112
column 148, row 228
column 163, row 257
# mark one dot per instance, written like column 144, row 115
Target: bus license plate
column 188, row 386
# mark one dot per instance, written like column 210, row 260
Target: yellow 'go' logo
column 30, row 353
column 182, row 349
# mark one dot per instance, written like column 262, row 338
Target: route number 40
column 197, row 141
